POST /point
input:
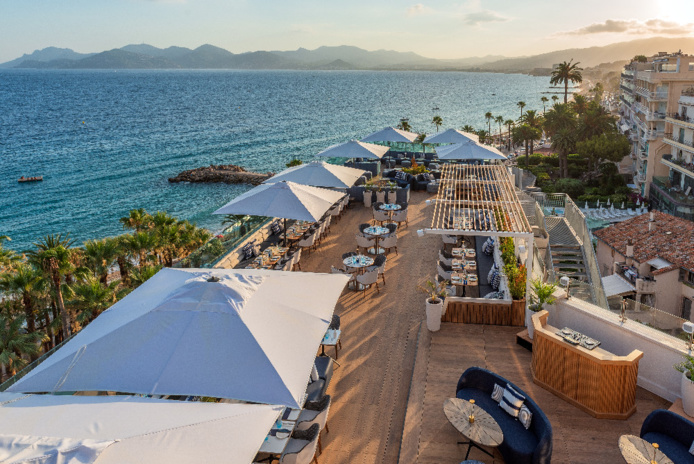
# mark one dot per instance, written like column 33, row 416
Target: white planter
column 687, row 391
column 381, row 196
column 392, row 197
column 434, row 313
column 368, row 195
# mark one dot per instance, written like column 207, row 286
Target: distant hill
column 592, row 56
column 143, row 56
column 45, row 56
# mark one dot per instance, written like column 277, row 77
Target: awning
column 659, row 263
column 616, row 285
column 50, row 429
column 391, row 134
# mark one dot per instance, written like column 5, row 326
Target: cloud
column 632, row 26
column 484, row 16
column 418, row 10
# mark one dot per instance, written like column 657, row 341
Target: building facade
column 649, row 92
column 674, row 193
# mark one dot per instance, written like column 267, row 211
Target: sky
column 435, row 29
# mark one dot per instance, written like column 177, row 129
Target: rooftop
column 672, row 239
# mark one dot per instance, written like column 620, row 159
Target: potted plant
column 686, row 367
column 543, row 293
column 368, row 195
column 436, row 292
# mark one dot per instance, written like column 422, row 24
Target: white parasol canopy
column 452, row 136
column 391, row 134
column 284, row 200
column 52, row 429
column 355, row 149
column 319, row 174
column 468, row 151
column 249, row 335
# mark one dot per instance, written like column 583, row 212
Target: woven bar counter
column 595, row 381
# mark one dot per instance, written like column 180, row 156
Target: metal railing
column 652, row 317
column 32, row 365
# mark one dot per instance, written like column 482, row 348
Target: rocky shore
column 226, row 173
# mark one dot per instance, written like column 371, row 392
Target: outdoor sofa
column 316, row 389
column 520, row 446
column 407, row 180
column 673, row 433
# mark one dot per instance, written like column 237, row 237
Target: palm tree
column 532, row 119
column 15, row 342
column 509, row 123
column 521, row 105
column 561, row 118
column 580, row 104
column 564, row 73
column 137, row 219
column 140, row 276
column 99, row 256
column 140, row 244
column 544, row 102
column 554, row 99
column 595, row 121
column 91, row 298
column 53, row 256
column 489, row 116
column 482, row 134
column 438, row 122
column 124, row 257
column 24, row 282
column 405, row 125
column 527, row 134
column 8, row 258
column 499, row 120
column 467, row 128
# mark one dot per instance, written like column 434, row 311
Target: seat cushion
column 324, row 366
column 315, row 390
column 519, row 444
column 676, row 451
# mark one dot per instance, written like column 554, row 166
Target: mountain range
column 145, row 56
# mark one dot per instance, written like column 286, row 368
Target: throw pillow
column 314, row 374
column 497, row 393
column 511, row 401
column 319, row 405
column 309, row 434
column 525, row 416
column 432, row 177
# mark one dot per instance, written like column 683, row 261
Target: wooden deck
column 379, row 382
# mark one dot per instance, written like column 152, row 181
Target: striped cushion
column 511, row 401
column 497, row 393
column 525, row 416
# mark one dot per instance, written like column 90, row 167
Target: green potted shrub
column 436, row 292
column 686, row 367
column 543, row 293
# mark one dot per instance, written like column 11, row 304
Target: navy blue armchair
column 520, row 446
column 673, row 433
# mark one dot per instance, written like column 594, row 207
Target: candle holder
column 655, row 452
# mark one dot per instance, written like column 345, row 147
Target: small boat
column 436, row 108
column 30, row 179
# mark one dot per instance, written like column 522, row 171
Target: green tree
column 526, row 134
column 560, row 124
column 595, row 121
column 124, row 257
column 532, row 119
column 482, row 134
column 140, row 244
column 8, row 258
column 580, row 104
column 509, row 123
column 639, row 59
column 572, row 187
column 53, row 256
column 90, row 298
column 405, row 125
column 554, row 99
column 137, row 219
column 140, row 276
column 564, row 73
column 15, row 343
column 611, row 147
column 25, row 283
column 544, row 101
column 99, row 255
column 468, row 128
column 500, row 121
column 489, row 116
column 598, row 91
column 437, row 122
column 521, row 105
column 564, row 142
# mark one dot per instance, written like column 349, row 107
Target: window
column 690, row 278
column 686, row 308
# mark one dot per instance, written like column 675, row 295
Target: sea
column 107, row 141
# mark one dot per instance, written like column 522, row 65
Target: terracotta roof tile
column 671, row 239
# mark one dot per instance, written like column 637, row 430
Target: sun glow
column 680, row 11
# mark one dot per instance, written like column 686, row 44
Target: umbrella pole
column 285, row 231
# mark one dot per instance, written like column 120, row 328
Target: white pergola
column 485, row 198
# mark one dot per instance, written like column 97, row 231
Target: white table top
column 390, row 207
column 358, row 261
column 331, row 337
column 376, row 230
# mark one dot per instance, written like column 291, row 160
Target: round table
column 483, row 430
column 390, row 207
column 358, row 261
column 636, row 450
column 377, row 232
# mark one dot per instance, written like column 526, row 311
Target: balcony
column 681, row 121
column 651, row 134
column 679, row 165
column 681, row 143
column 670, row 194
column 643, row 155
column 651, row 96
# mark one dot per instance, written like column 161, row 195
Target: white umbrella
column 286, row 200
column 452, row 136
column 244, row 334
column 391, row 134
column 318, row 174
column 622, row 205
column 608, row 202
column 355, row 149
column 638, row 202
column 598, row 205
column 469, row 151
column 586, row 205
column 126, row 429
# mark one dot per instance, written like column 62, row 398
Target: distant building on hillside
column 649, row 93
column 654, row 255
